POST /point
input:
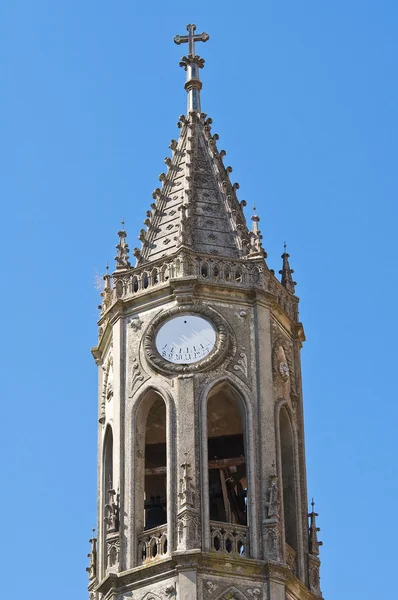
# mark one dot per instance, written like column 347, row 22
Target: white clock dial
column 185, row 339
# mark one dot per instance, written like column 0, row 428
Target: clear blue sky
column 304, row 98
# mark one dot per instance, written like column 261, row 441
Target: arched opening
column 204, row 271
column 288, row 479
column 226, row 456
column 150, row 479
column 155, row 465
column 238, row 275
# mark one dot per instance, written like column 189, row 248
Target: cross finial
column 191, row 38
column 192, row 63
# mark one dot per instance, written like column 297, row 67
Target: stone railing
column 228, row 538
column 291, row 558
column 152, row 544
column 218, row 271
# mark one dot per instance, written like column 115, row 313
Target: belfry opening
column 155, row 465
column 227, row 456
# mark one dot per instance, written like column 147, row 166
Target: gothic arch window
column 151, row 463
column 227, row 456
column 288, row 478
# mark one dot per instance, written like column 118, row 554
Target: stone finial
column 192, row 63
column 122, row 257
column 256, row 248
column 286, row 272
column 314, row 543
column 92, row 568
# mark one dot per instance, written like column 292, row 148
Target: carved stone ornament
column 241, row 363
column 136, row 324
column 137, row 377
column 254, row 593
column 112, row 553
column 282, row 358
column 224, row 342
column 187, row 528
column 271, row 544
column 210, row 587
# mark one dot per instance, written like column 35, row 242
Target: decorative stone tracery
column 282, row 361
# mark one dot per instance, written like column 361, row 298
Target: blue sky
column 304, row 98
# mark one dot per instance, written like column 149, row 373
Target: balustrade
column 291, row 558
column 228, row 538
column 152, row 544
column 213, row 271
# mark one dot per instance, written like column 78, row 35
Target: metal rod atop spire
column 192, row 63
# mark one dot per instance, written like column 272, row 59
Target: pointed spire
column 314, row 543
column 286, row 272
column 122, row 257
column 256, row 248
column 192, row 63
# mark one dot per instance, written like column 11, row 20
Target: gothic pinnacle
column 314, row 543
column 92, row 568
column 256, row 248
column 122, row 257
column 192, row 63
column 286, row 272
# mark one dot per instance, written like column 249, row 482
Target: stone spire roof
column 286, row 272
column 197, row 206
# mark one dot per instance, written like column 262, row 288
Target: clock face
column 185, row 339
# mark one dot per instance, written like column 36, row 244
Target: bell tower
column 201, row 467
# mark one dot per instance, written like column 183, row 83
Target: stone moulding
column 225, row 343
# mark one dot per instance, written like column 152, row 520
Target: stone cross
column 192, row 64
column 191, row 38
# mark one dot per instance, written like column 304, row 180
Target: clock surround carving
column 224, row 340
